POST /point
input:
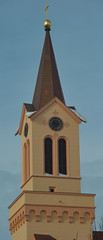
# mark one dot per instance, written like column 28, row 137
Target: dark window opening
column 52, row 189
column 62, row 156
column 48, row 156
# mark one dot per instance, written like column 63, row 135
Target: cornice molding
column 23, row 214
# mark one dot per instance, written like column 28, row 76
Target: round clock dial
column 55, row 123
column 26, row 130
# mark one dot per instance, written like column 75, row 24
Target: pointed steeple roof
column 48, row 83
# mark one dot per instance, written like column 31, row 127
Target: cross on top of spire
column 46, row 9
column 47, row 23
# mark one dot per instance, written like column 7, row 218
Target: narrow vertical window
column 48, row 156
column 62, row 156
column 25, row 162
column 28, row 159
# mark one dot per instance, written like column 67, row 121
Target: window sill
column 63, row 175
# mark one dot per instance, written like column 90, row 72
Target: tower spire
column 48, row 83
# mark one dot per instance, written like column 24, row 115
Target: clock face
column 26, row 130
column 55, row 123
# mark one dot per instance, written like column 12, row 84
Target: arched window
column 62, row 156
column 48, row 155
column 26, row 164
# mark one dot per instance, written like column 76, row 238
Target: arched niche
column 65, row 216
column 75, row 217
column 32, row 215
column 54, row 216
column 43, row 217
column 87, row 217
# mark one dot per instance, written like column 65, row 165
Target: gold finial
column 47, row 23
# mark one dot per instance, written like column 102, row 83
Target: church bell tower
column 51, row 205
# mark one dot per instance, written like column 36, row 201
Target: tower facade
column 51, row 204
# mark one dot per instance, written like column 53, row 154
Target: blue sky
column 77, row 36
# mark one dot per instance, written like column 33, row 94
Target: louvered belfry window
column 48, row 155
column 62, row 156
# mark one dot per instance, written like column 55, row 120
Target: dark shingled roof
column 48, row 83
column 29, row 107
column 98, row 235
column 43, row 237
